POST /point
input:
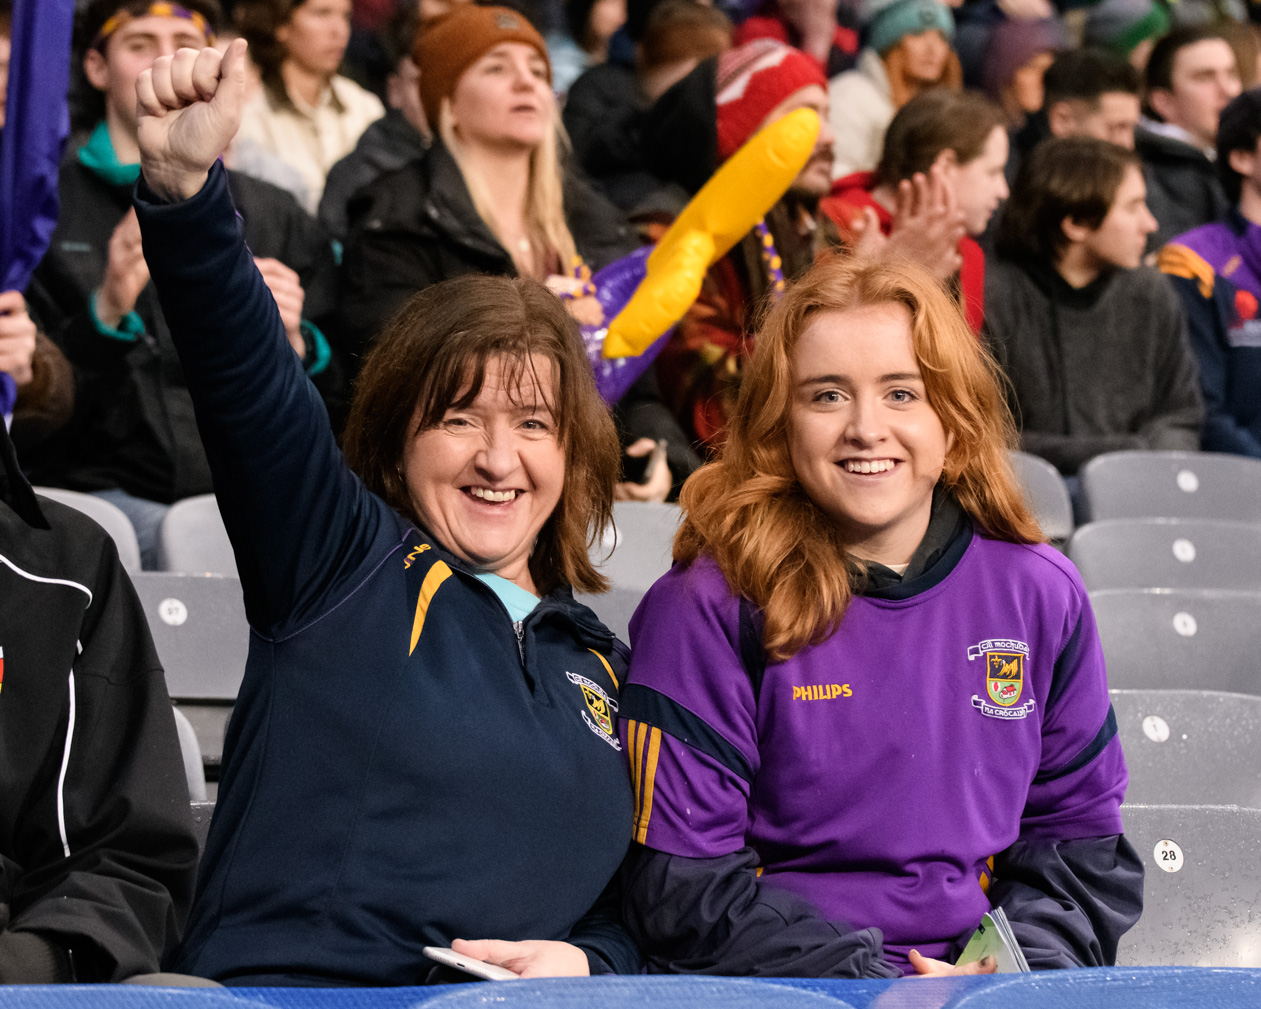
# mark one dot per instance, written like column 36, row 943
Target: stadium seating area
column 1175, row 581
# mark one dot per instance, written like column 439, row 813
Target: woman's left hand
column 531, row 958
column 928, row 967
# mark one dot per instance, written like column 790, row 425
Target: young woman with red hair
column 868, row 703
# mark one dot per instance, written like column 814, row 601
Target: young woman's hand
column 126, row 272
column 927, row 223
column 286, row 287
column 532, row 958
column 190, row 109
column 17, row 337
column 927, row 967
column 656, row 488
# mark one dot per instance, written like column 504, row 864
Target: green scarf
column 98, row 157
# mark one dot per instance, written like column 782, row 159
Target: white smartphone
column 486, row 971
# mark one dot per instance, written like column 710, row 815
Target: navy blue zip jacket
column 401, row 768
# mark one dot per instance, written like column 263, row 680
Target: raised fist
column 189, row 110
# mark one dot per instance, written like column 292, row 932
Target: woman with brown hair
column 423, row 748
column 305, row 113
column 868, row 704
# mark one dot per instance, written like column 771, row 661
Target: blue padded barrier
column 1098, row 988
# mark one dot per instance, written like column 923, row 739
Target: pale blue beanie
column 887, row 23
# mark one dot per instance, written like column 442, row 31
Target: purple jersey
column 1230, row 248
column 878, row 773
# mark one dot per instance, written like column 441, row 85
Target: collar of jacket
column 448, row 208
column 15, row 489
column 99, row 158
column 559, row 603
column 1154, row 145
column 1059, row 290
column 948, row 534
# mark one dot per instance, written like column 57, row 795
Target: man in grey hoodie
column 1094, row 344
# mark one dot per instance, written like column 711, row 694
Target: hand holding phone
column 639, row 468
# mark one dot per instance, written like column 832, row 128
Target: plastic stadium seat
column 190, row 750
column 108, row 516
column 1203, row 913
column 199, row 628
column 1168, row 554
column 202, row 812
column 615, row 608
column 210, row 721
column 1046, row 494
column 641, row 547
column 635, row 553
column 192, row 539
column 1156, row 639
column 1191, row 746
column 1193, row 485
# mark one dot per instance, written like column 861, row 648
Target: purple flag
column 614, row 286
column 37, row 121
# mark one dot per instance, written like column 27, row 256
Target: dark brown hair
column 433, row 355
column 679, row 30
column 936, row 120
column 257, row 21
column 1064, row 177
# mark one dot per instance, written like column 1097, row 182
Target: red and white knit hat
column 752, row 80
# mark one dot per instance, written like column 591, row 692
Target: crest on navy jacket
column 600, row 709
column 1004, row 677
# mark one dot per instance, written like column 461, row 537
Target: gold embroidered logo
column 601, row 706
column 821, row 691
column 416, row 552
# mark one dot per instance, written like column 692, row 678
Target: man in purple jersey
column 1216, row 270
column 941, row 745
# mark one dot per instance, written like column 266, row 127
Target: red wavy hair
column 747, row 509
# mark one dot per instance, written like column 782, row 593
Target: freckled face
column 487, row 478
column 865, row 444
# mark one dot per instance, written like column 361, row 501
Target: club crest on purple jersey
column 1004, row 677
column 600, row 709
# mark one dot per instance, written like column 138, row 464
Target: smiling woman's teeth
column 493, row 495
column 868, row 466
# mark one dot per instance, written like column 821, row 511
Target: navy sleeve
column 714, row 916
column 600, row 934
column 1208, row 319
column 1069, row 902
column 300, row 523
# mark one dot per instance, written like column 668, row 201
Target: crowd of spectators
column 1082, row 182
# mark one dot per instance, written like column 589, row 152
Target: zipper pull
column 519, row 627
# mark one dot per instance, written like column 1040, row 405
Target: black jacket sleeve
column 117, row 888
column 714, row 916
column 1069, row 902
column 600, row 934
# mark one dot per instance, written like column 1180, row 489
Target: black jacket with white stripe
column 97, row 852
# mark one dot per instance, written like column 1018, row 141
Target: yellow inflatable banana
column 724, row 211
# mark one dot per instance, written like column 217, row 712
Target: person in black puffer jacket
column 489, row 195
